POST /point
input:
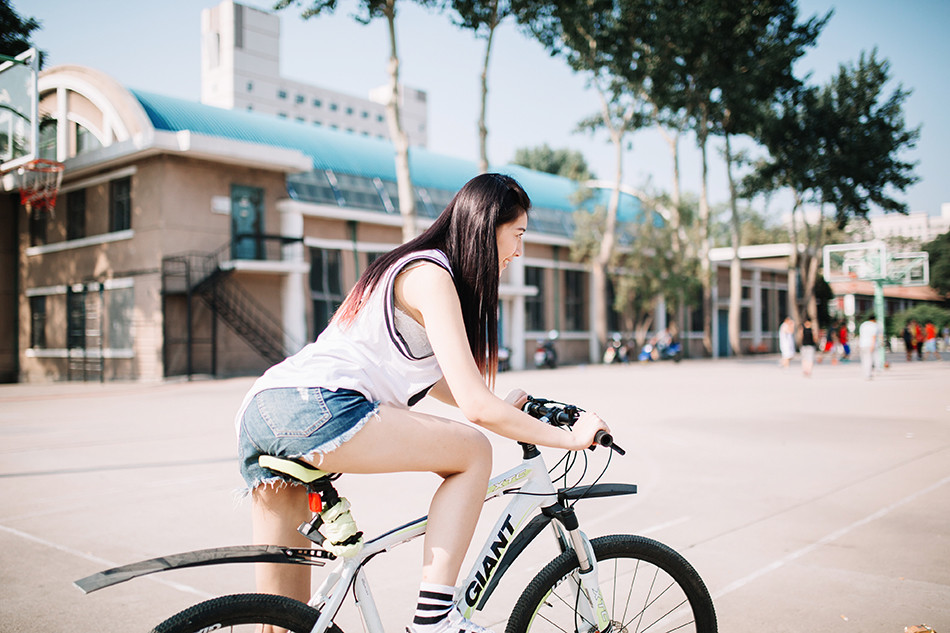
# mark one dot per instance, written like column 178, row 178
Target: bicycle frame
column 534, row 505
column 531, row 485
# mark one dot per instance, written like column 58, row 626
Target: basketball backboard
column 19, row 109
column 870, row 261
column 909, row 269
column 851, row 262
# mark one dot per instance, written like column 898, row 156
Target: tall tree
column 838, row 147
column 590, row 36
column 763, row 41
column 369, row 11
column 482, row 18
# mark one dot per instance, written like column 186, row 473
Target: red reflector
column 316, row 503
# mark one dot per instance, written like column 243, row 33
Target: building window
column 349, row 110
column 120, row 204
column 317, row 103
column 281, row 115
column 575, row 316
column 119, row 306
column 300, row 99
column 47, row 139
column 334, row 107
column 326, row 285
column 300, row 119
column 38, row 322
column 379, row 118
column 534, row 304
column 76, row 214
column 364, row 114
column 86, row 141
column 281, row 94
column 75, row 319
column 250, row 86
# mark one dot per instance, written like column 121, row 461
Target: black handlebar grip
column 603, row 438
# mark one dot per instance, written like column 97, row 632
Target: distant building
column 918, row 226
column 240, row 70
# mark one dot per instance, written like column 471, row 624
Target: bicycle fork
column 591, row 607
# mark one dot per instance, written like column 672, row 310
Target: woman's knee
column 476, row 452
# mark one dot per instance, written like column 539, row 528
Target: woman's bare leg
column 399, row 440
column 276, row 513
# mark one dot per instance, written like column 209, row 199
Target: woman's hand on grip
column 586, row 428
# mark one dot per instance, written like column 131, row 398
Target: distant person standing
column 843, row 340
column 908, row 337
column 930, row 340
column 808, row 348
column 918, row 340
column 786, row 341
column 868, row 340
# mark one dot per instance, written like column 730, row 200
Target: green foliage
column 644, row 269
column 561, row 162
column 839, row 145
column 939, row 252
column 922, row 313
column 16, row 31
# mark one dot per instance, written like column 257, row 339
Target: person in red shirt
column 930, row 340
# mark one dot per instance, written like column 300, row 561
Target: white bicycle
column 610, row 584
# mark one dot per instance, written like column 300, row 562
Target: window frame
column 120, row 204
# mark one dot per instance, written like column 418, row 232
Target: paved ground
column 817, row 504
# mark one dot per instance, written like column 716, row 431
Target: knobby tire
column 244, row 610
column 647, row 587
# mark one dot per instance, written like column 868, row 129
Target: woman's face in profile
column 510, row 236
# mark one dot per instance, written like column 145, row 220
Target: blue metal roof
column 348, row 153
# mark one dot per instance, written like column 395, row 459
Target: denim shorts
column 298, row 422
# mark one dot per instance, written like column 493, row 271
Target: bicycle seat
column 296, row 468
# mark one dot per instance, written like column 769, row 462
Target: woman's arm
column 429, row 295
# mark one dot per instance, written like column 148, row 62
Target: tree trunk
column 735, row 266
column 482, row 125
column 705, row 267
column 407, row 198
column 793, row 263
column 679, row 243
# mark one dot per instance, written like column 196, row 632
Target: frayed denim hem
column 279, row 481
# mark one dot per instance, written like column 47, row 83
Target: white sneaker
column 454, row 622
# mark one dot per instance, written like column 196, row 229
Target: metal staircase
column 201, row 275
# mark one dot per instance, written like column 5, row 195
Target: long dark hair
column 465, row 232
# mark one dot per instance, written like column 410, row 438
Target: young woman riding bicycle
column 422, row 319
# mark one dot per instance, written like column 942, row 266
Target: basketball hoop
column 39, row 182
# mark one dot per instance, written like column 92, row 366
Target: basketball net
column 39, row 183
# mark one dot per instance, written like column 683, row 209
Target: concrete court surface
column 817, row 504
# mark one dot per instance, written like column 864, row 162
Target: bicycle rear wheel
column 647, row 587
column 243, row 613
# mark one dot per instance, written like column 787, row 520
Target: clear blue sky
column 533, row 98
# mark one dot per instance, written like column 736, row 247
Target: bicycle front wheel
column 244, row 613
column 647, row 587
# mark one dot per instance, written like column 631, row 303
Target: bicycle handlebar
column 560, row 414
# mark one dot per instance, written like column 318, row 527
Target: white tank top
column 370, row 355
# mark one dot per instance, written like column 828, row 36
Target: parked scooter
column 504, row 358
column 655, row 352
column 545, row 356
